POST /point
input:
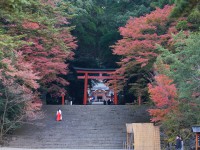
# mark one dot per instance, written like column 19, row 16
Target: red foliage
column 163, row 94
column 33, row 109
column 140, row 36
column 21, row 70
column 49, row 63
column 19, row 79
column 69, row 40
column 49, row 51
column 30, row 25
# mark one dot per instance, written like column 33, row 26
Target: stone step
column 82, row 127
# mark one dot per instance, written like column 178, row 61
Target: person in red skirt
column 59, row 115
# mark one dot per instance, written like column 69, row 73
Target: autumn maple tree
column 163, row 93
column 18, row 83
column 138, row 47
column 140, row 36
column 35, row 44
column 50, row 47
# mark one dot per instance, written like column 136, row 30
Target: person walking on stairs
column 178, row 143
column 59, row 115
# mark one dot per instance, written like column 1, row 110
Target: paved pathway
column 83, row 127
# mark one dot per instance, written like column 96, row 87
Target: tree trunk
column 3, row 117
column 139, row 99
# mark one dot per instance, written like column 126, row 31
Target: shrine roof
column 196, row 129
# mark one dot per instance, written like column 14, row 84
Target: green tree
column 184, row 70
column 189, row 9
column 161, row 3
column 97, row 24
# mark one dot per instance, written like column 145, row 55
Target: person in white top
column 59, row 115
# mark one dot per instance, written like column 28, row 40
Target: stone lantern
column 196, row 130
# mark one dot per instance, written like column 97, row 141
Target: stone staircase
column 82, row 127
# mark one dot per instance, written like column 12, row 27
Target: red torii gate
column 101, row 75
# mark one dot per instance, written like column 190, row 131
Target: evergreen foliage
column 189, row 9
column 161, row 3
column 183, row 68
column 97, row 24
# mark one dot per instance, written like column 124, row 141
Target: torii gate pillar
column 63, row 98
column 85, row 89
column 115, row 94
